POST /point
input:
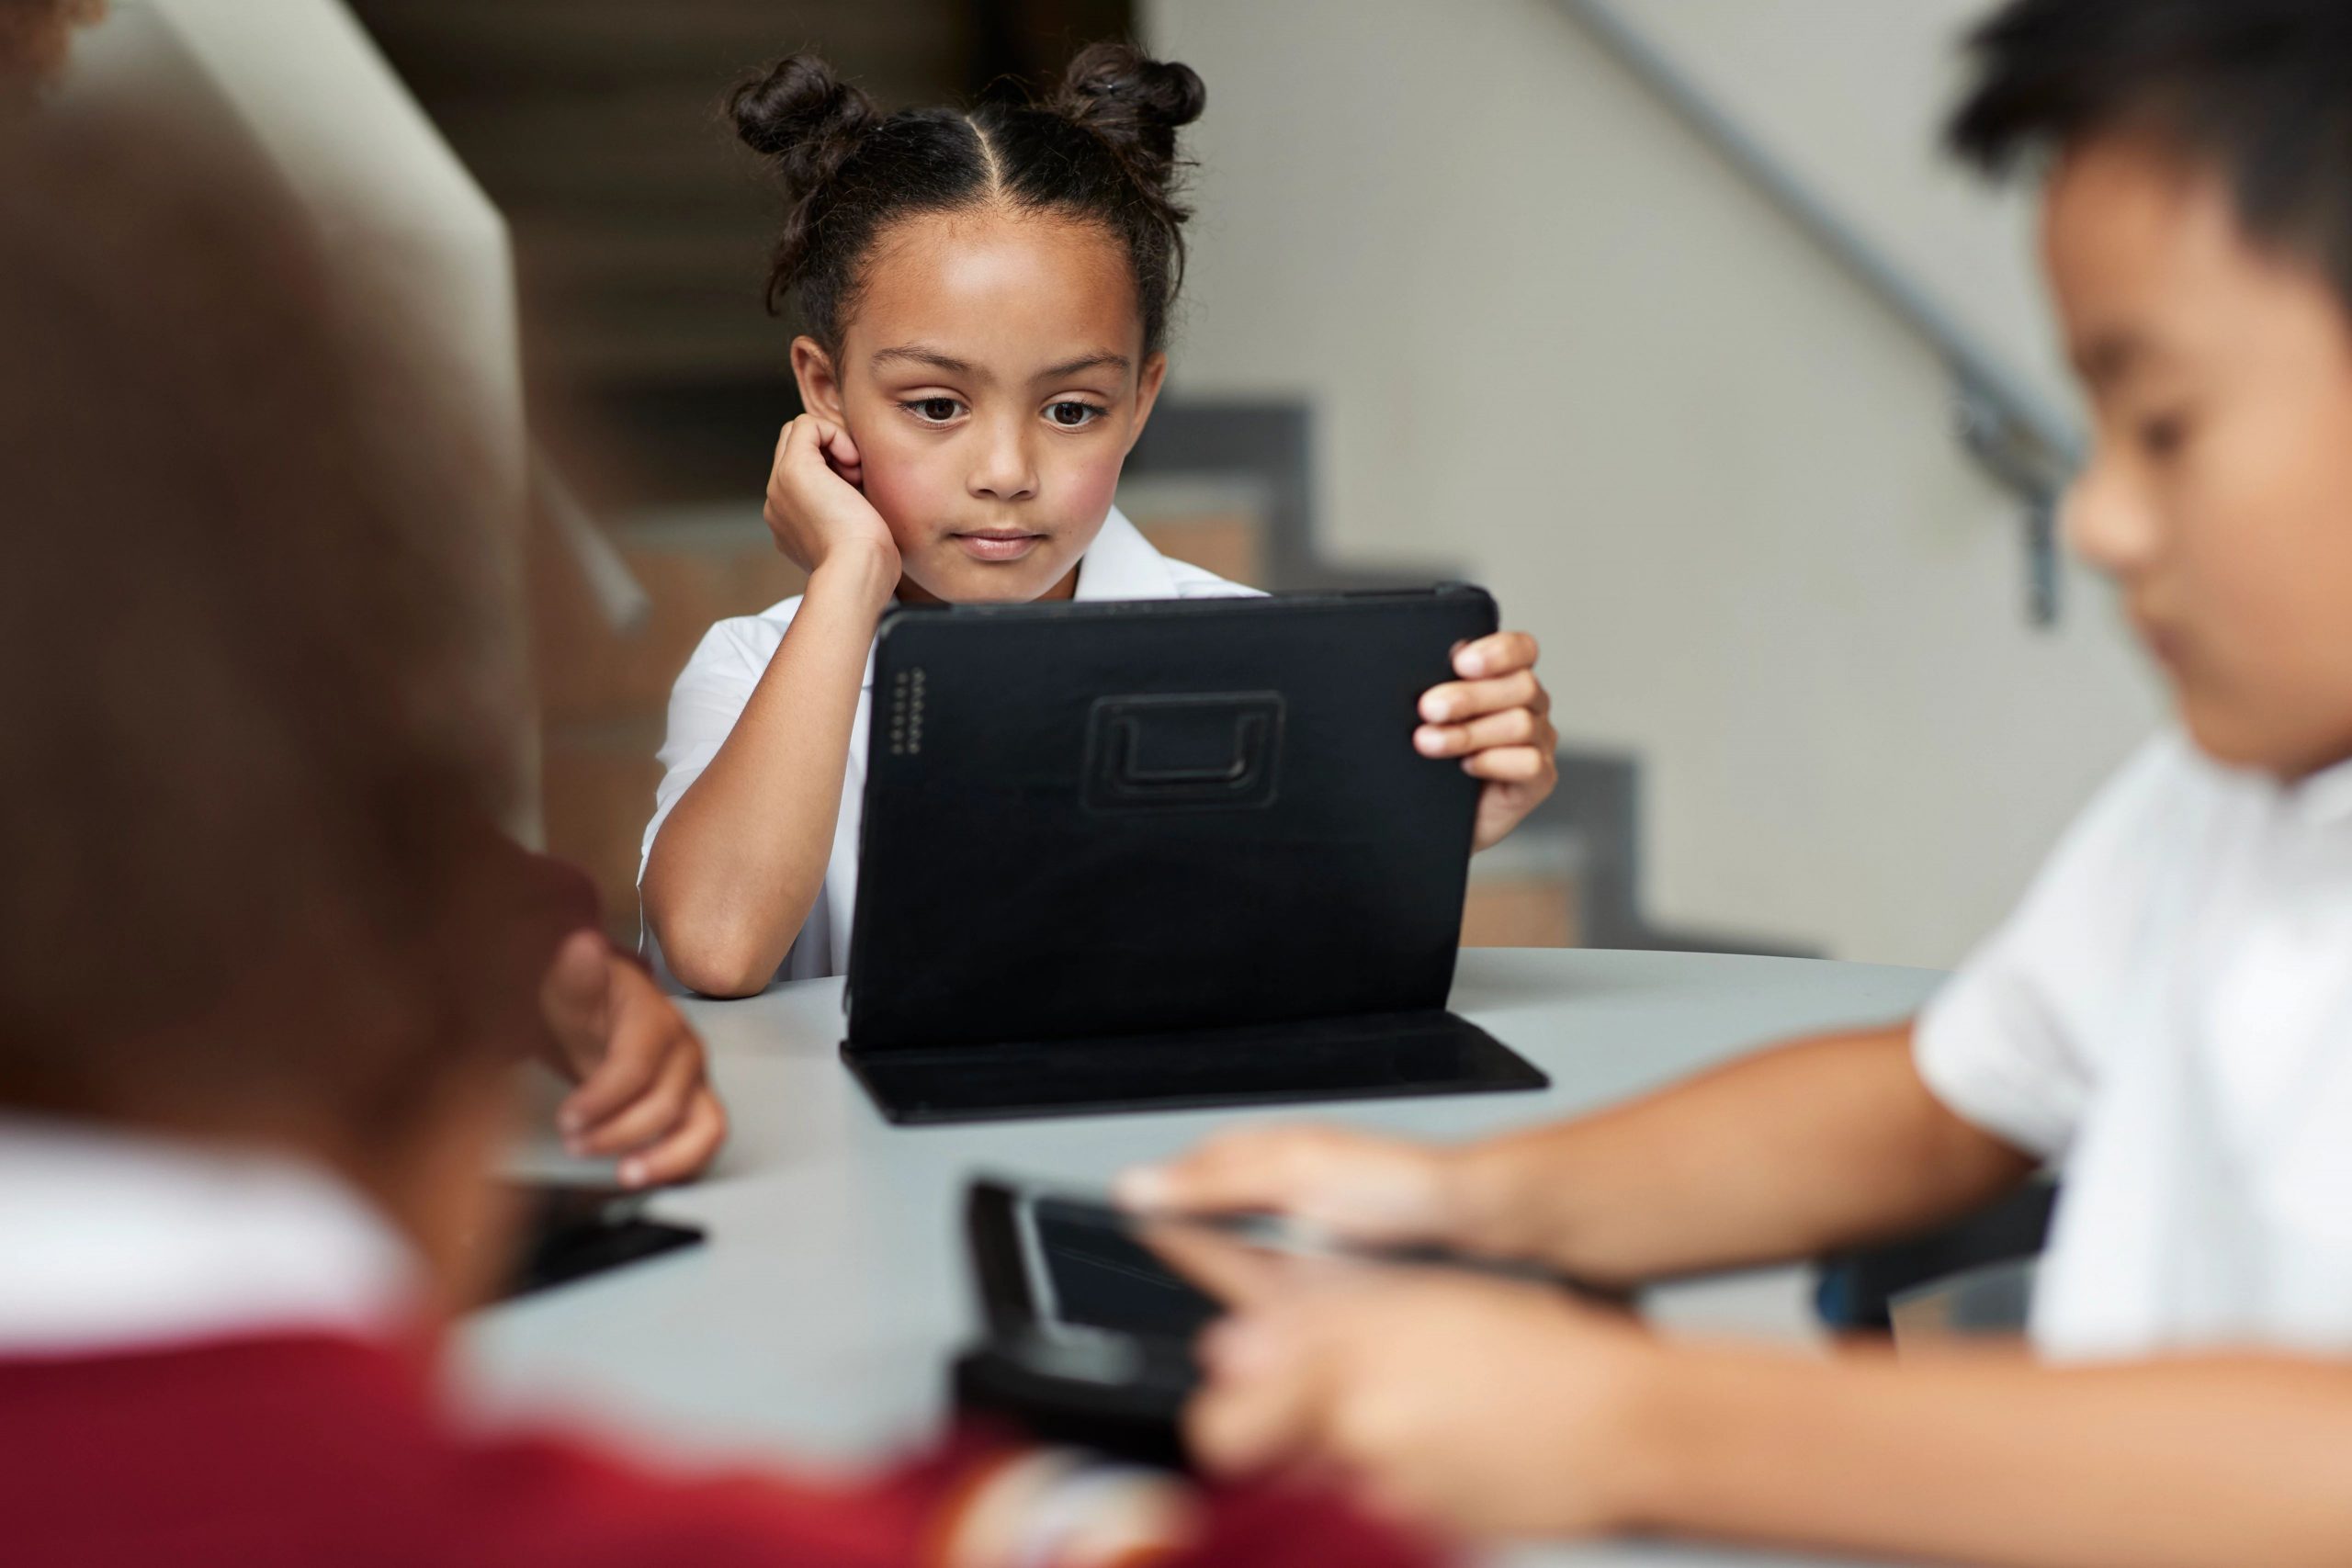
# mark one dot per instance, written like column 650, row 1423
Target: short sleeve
column 709, row 697
column 2014, row 1042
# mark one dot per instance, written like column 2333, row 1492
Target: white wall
column 1551, row 338
column 423, row 279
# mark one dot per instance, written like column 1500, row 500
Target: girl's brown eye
column 1071, row 414
column 939, row 411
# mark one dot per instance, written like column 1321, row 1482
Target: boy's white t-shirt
column 717, row 683
column 2168, row 1017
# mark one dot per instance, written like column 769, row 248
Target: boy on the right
column 2168, row 1017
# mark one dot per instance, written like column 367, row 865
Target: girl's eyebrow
column 915, row 355
column 1101, row 359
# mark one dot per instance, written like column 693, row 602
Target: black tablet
column 570, row 1231
column 1089, row 1335
column 1136, row 856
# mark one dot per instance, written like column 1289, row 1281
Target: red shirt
column 311, row 1450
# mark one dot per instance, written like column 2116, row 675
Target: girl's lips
column 998, row 546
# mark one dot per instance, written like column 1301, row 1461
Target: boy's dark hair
column 250, row 764
column 2260, row 90
column 1102, row 150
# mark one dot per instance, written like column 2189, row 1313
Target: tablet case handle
column 1185, row 750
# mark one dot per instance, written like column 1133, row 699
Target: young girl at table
column 988, row 295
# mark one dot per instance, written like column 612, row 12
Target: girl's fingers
column 1458, row 700
column 652, row 1115
column 687, row 1151
column 1514, row 727
column 1507, row 764
column 576, row 1001
column 810, row 439
column 642, row 1030
column 1498, row 654
column 840, row 450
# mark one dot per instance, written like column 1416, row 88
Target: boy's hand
column 1472, row 1407
column 642, row 1097
column 1373, row 1189
column 1498, row 720
column 815, row 508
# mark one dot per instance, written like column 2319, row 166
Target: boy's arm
column 1815, row 1145
column 1994, row 1459
column 1486, row 1409
column 740, row 860
column 1820, row 1144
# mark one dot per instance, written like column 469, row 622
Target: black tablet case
column 1117, row 1395
column 1137, row 856
column 1123, row 1390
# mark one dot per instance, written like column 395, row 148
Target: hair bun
column 1133, row 102
column 803, row 115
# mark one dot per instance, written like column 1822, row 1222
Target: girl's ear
column 1148, row 384
column 820, row 389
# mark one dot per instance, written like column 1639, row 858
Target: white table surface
column 817, row 1324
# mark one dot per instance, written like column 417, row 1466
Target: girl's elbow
column 716, row 968
column 714, row 958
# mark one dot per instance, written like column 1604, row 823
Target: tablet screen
column 1095, row 1274
column 1086, row 1268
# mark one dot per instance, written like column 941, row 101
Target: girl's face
column 993, row 378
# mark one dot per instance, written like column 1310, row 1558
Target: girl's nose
column 1002, row 471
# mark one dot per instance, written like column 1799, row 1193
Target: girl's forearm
column 1783, row 1155
column 742, row 858
column 1992, row 1459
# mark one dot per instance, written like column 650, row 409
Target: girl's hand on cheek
column 1498, row 720
column 815, row 508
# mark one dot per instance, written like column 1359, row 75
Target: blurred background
column 1661, row 318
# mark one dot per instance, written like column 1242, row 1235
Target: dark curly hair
column 1101, row 149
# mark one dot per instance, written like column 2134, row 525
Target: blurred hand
column 1074, row 1510
column 1468, row 1406
column 1373, row 1189
column 643, row 1098
column 815, row 509
column 1498, row 720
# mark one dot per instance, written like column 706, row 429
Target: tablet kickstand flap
column 1367, row 1056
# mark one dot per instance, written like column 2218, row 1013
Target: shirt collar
column 1122, row 564
column 116, row 1241
column 1119, row 564
column 2324, row 799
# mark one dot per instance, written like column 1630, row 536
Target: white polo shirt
column 114, row 1241
column 717, row 683
column 2168, row 1016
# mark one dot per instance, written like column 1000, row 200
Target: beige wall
column 1552, row 339
column 417, row 253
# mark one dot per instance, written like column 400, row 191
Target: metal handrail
column 2016, row 434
